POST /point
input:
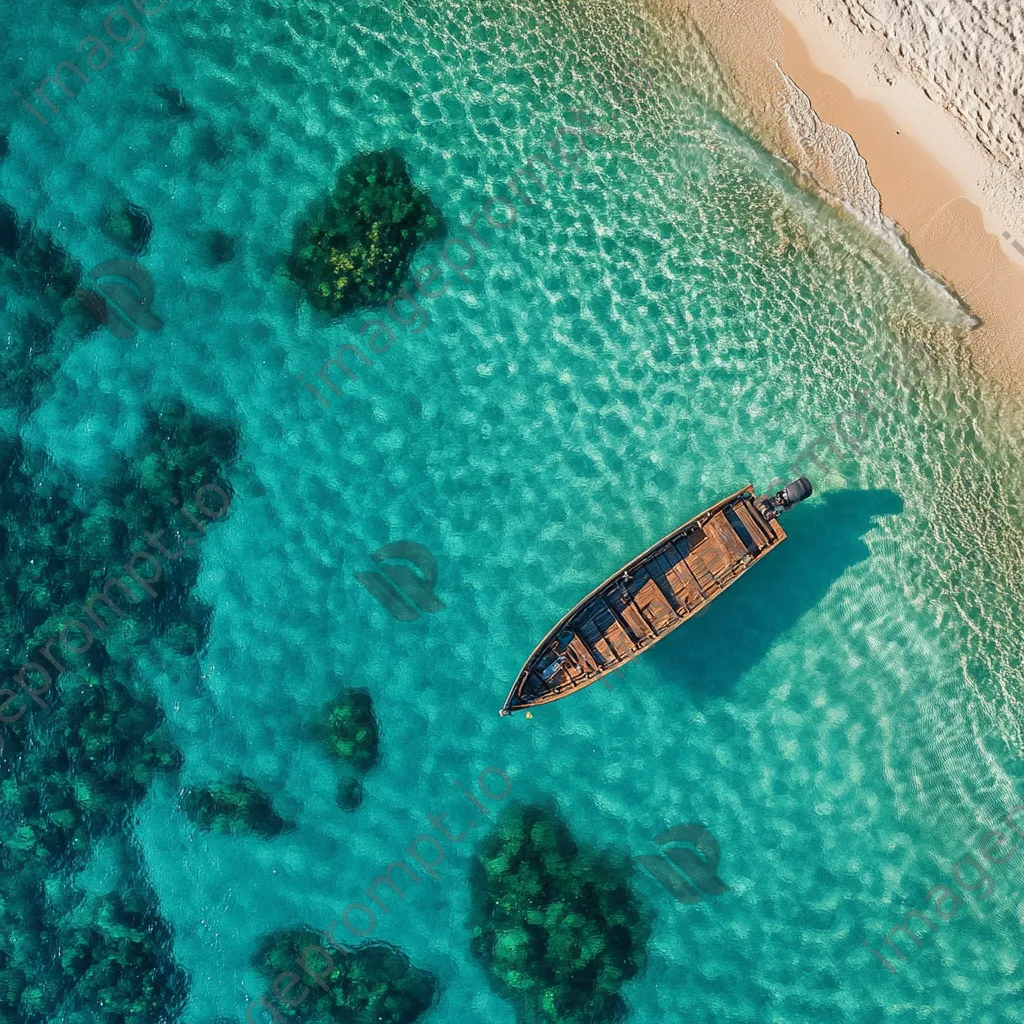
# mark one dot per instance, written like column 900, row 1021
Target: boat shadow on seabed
column 826, row 537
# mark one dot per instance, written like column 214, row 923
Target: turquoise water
column 671, row 319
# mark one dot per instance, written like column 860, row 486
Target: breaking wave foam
column 830, row 158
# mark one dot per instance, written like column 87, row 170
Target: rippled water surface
column 669, row 319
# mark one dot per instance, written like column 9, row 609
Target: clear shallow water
column 670, row 321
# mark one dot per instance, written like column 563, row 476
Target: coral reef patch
column 53, row 554
column 218, row 247
column 232, row 807
column 556, row 926
column 373, row 984
column 67, row 780
column 121, row 961
column 354, row 249
column 26, row 360
column 127, row 225
column 33, row 264
column 351, row 729
column 72, row 775
column 350, row 794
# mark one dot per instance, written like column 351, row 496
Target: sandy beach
column 911, row 119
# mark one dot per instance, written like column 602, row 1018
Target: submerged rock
column 177, row 106
column 354, row 249
column 231, row 807
column 373, row 984
column 350, row 794
column 556, row 927
column 219, row 247
column 127, row 226
column 351, row 729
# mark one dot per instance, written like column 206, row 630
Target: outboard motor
column 773, row 507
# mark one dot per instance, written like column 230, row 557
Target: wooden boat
column 656, row 592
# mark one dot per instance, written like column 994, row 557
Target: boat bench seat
column 654, row 607
column 684, row 584
column 719, row 530
column 637, row 624
column 619, row 641
column 755, row 525
column 604, row 653
column 582, row 655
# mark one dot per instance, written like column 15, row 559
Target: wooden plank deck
column 703, row 563
column 581, row 653
column 619, row 640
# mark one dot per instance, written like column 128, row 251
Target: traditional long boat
column 656, row 592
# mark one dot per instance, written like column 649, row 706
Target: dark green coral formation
column 354, row 249
column 351, row 729
column 182, row 450
column 373, row 984
column 33, row 264
column 233, row 807
column 127, row 225
column 350, row 794
column 556, row 926
column 39, row 280
column 69, row 778
column 121, row 961
column 27, row 359
column 43, row 536
column 73, row 774
column 88, row 762
column 54, row 555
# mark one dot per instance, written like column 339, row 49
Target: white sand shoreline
column 872, row 140
column 869, row 73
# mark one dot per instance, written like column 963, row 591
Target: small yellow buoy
column 529, row 714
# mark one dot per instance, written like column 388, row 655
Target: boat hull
column 654, row 594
